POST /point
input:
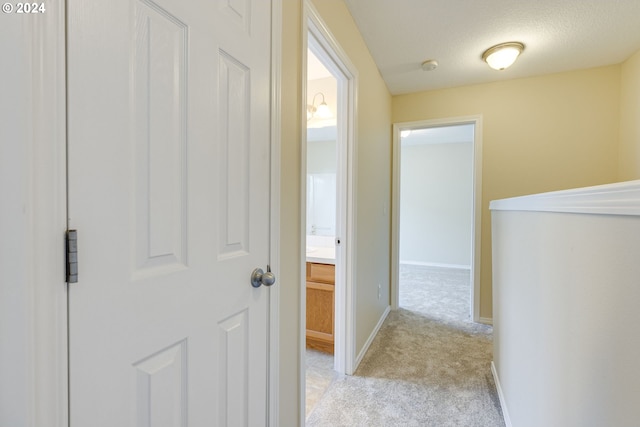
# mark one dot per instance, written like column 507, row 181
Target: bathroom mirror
column 321, row 181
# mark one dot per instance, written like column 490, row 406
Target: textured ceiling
column 559, row 35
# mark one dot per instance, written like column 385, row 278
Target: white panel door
column 168, row 172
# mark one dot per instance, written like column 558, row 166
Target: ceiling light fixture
column 502, row 55
column 322, row 111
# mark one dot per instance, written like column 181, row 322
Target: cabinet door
column 320, row 317
column 320, row 306
column 322, row 273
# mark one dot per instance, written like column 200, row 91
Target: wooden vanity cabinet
column 320, row 306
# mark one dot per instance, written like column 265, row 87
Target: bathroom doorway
column 321, row 220
column 436, row 214
column 327, row 348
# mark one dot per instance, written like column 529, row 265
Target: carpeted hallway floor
column 428, row 366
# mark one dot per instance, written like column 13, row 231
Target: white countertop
column 321, row 255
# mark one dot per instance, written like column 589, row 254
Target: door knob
column 259, row 277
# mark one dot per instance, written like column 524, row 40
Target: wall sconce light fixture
column 322, row 111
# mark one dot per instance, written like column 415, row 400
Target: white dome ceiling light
column 503, row 55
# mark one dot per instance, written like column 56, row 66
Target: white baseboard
column 436, row 264
column 503, row 404
column 370, row 339
column 486, row 320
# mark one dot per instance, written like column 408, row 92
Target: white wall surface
column 566, row 293
column 321, row 156
column 436, row 204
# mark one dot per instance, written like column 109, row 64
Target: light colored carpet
column 428, row 366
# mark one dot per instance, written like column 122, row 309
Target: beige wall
column 373, row 188
column 630, row 119
column 290, row 215
column 373, row 171
column 539, row 134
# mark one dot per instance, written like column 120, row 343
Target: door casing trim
column 44, row 168
column 476, row 120
column 273, row 385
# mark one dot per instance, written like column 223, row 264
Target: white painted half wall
column 565, row 306
column 436, row 203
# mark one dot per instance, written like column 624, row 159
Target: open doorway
column 328, row 146
column 436, row 217
column 321, row 224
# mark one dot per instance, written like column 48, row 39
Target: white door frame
column 46, row 399
column 476, row 225
column 339, row 64
column 39, row 312
column 273, row 374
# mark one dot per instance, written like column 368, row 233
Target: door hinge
column 72, row 256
